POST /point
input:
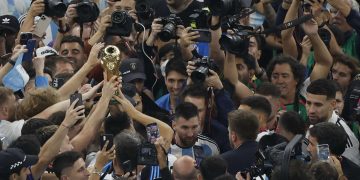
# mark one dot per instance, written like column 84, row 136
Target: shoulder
column 162, row 99
column 205, row 141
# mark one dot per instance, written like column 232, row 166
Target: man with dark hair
column 28, row 143
column 212, row 167
column 73, row 46
column 336, row 138
column 126, row 148
column 344, row 69
column 33, row 124
column 262, row 108
column 15, row 164
column 272, row 93
column 320, row 105
column 70, row 165
column 187, row 140
column 290, row 124
column 60, row 64
column 212, row 112
column 175, row 79
column 243, row 129
column 288, row 74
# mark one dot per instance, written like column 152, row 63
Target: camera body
column 144, row 13
column 202, row 69
column 121, row 24
column 238, row 43
column 228, row 7
column 170, row 24
column 55, row 8
column 87, row 12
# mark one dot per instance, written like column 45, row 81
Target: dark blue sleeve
column 353, row 20
column 280, row 15
column 224, row 105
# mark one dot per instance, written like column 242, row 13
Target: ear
column 233, row 136
column 259, row 52
column 199, row 177
column 13, row 176
column 173, row 124
column 251, row 73
column 333, row 103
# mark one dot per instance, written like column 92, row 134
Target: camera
column 55, row 8
column 147, row 154
column 87, row 12
column 121, row 24
column 170, row 24
column 238, row 43
column 145, row 13
column 228, row 7
column 202, row 69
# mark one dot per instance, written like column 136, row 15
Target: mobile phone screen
column 24, row 37
column 30, row 46
column 152, row 131
column 323, row 152
column 205, row 35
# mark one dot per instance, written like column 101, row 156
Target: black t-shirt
column 350, row 169
column 162, row 10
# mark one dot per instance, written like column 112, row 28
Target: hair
column 65, row 160
column 225, row 177
column 195, row 90
column 57, row 118
column 348, row 61
column 51, row 61
column 71, row 39
column 186, row 110
column 33, row 124
column 297, row 171
column 127, row 144
column 338, row 87
column 297, row 69
column 28, row 143
column 331, row 134
column 5, row 94
column 176, row 65
column 244, row 123
column 117, row 122
column 43, row 134
column 292, row 122
column 322, row 87
column 258, row 103
column 66, row 76
column 249, row 60
column 212, row 167
column 268, row 89
column 36, row 101
column 324, row 171
column 168, row 48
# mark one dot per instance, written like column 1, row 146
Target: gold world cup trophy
column 110, row 62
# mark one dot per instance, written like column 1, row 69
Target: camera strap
column 287, row 25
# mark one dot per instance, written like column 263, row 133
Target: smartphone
column 30, row 46
column 42, row 25
column 323, row 152
column 152, row 131
column 104, row 138
column 75, row 96
column 24, row 37
column 205, row 35
column 199, row 154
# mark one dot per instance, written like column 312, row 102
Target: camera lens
column 168, row 32
column 119, row 17
column 199, row 75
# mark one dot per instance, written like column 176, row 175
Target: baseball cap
column 13, row 159
column 131, row 69
column 10, row 23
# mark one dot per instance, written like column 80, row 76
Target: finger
column 73, row 104
column 112, row 149
column 79, row 108
column 212, row 72
column 105, row 146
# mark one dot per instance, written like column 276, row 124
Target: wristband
column 65, row 126
column 214, row 27
column 67, row 28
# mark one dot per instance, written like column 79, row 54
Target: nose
column 311, row 109
column 190, row 133
column 335, row 76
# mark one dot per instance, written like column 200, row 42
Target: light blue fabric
column 14, row 80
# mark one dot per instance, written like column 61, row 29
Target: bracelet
column 214, row 27
column 95, row 171
column 12, row 62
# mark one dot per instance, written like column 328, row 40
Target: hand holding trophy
column 110, row 61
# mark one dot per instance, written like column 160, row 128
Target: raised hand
column 39, row 64
column 19, row 49
column 104, row 156
column 310, row 27
column 111, row 86
column 93, row 56
column 105, row 22
column 187, row 38
column 213, row 80
column 73, row 114
column 36, row 8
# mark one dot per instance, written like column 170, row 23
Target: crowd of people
column 179, row 89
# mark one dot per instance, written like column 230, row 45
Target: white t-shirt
column 10, row 130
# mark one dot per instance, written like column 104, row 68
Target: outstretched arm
column 288, row 40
